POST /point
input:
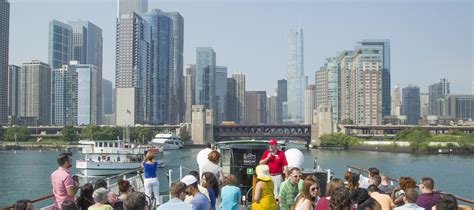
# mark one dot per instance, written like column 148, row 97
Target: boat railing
column 469, row 201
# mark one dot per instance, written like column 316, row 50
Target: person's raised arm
column 265, row 157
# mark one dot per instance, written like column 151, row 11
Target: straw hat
column 263, row 173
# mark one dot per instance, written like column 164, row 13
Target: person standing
column 264, row 198
column 63, row 184
column 177, row 198
column 151, row 182
column 277, row 164
column 309, row 195
column 289, row 191
column 199, row 201
column 427, row 199
column 230, row 194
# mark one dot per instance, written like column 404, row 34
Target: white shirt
column 409, row 206
column 209, row 166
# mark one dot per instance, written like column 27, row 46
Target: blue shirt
column 150, row 169
column 230, row 197
column 176, row 203
column 200, row 202
column 212, row 197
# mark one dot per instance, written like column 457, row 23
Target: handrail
column 466, row 200
column 50, row 195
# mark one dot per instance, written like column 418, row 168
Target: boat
column 167, row 141
column 109, row 157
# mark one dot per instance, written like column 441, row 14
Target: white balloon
column 294, row 157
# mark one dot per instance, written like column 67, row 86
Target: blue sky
column 430, row 39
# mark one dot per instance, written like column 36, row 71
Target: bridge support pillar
column 315, row 142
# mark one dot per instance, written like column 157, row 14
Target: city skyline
column 419, row 32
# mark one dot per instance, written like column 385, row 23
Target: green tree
column 2, row 133
column 184, row 135
column 69, row 133
column 139, row 134
column 110, row 133
column 21, row 132
column 347, row 121
column 338, row 139
column 90, row 132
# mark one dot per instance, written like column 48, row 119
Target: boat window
column 98, row 158
column 116, row 144
column 111, row 144
column 118, row 159
column 108, row 158
column 100, row 144
column 96, row 144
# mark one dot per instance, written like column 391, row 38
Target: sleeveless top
column 150, row 169
column 299, row 205
column 267, row 200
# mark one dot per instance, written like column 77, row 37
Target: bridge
column 55, row 131
column 230, row 132
column 369, row 131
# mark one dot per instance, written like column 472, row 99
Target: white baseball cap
column 189, row 180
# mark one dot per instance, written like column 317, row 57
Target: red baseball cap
column 272, row 141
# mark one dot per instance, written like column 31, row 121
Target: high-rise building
column 459, row 107
column 188, row 92
column 4, row 41
column 239, row 79
column 309, row 103
column 282, row 96
column 87, row 48
column 328, row 87
column 35, row 93
column 367, row 86
column 64, row 95
column 396, row 102
column 133, row 64
column 205, row 80
column 437, row 92
column 107, row 97
column 176, row 75
column 385, row 71
column 60, row 44
column 88, row 102
column 295, row 76
column 255, row 107
column 221, row 93
column 272, row 110
column 345, row 79
column 13, row 92
column 411, row 104
column 321, row 78
column 424, row 104
column 231, row 101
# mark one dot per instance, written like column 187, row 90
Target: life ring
column 104, row 157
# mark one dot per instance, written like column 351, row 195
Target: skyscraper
column 272, row 110
column 281, row 97
column 459, row 107
column 437, row 92
column 60, row 44
column 35, row 93
column 188, row 92
column 13, row 91
column 176, row 75
column 346, row 93
column 88, row 83
column 385, row 71
column 309, row 103
column 411, row 104
column 221, row 92
column 424, row 104
column 133, row 64
column 321, row 78
column 295, row 76
column 64, row 95
column 108, row 97
column 87, row 48
column 4, row 41
column 328, row 87
column 231, row 101
column 205, row 80
column 239, row 79
column 396, row 103
column 255, row 107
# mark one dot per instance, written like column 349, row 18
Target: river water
column 25, row 174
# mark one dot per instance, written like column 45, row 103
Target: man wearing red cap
column 276, row 161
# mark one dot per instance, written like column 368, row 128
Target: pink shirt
column 61, row 179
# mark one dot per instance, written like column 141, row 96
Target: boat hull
column 91, row 168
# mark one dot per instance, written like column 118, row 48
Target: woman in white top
column 307, row 199
column 212, row 165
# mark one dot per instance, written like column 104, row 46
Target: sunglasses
column 314, row 188
column 296, row 176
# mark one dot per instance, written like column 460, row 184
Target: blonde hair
column 149, row 155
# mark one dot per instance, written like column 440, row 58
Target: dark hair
column 341, row 199
column 377, row 179
column 369, row 204
column 359, row 195
column 411, row 195
column 135, row 201
column 333, row 184
column 347, row 175
column 447, row 202
column 22, row 204
column 373, row 171
column 100, row 183
column 306, row 191
column 428, row 182
column 209, row 145
column 211, row 181
column 85, row 198
column 195, row 174
column 63, row 157
column 294, row 169
column 372, row 188
column 353, row 181
column 123, row 185
column 69, row 205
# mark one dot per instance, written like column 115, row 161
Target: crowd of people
column 279, row 186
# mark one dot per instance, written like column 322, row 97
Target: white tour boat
column 108, row 157
column 167, row 141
